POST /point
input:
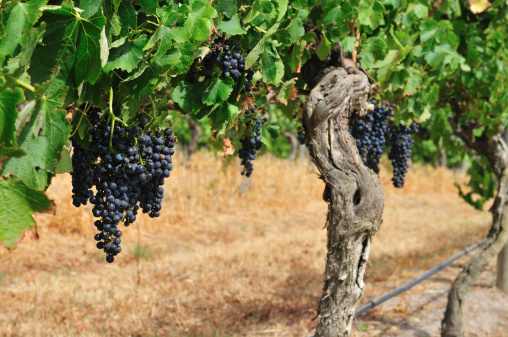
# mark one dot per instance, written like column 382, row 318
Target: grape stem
column 21, row 83
column 260, row 30
column 113, row 118
column 87, row 107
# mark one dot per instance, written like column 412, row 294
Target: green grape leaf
column 148, row 3
column 139, row 86
column 282, row 7
column 11, row 152
column 337, row 11
column 200, row 30
column 34, row 38
column 199, row 21
column 187, row 52
column 285, row 91
column 348, row 44
column 296, row 29
column 8, row 115
column 188, row 97
column 222, row 114
column 88, row 51
column 296, row 55
column 126, row 57
column 227, row 7
column 421, row 11
column 217, row 91
column 24, row 116
column 429, row 29
column 71, row 46
column 43, row 138
column 324, row 48
column 414, row 81
column 269, row 68
column 65, row 163
column 21, row 16
column 172, row 58
column 53, row 60
column 165, row 36
column 284, row 37
column 113, row 24
column 104, row 48
column 127, row 18
column 90, row 7
column 253, row 56
column 260, row 11
column 371, row 13
column 180, row 34
column 273, row 130
column 19, row 203
column 232, row 27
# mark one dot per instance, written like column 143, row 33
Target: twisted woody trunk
column 353, row 192
column 495, row 149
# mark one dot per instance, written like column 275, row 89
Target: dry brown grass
column 217, row 263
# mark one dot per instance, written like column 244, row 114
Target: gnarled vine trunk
column 495, row 148
column 353, row 192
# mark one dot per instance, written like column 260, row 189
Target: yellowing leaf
column 478, row 6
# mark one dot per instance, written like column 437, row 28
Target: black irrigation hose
column 411, row 284
column 418, row 280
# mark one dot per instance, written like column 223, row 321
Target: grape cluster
column 374, row 134
column 251, row 141
column 370, row 134
column 229, row 60
column 401, row 144
column 127, row 176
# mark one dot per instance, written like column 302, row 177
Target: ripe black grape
column 127, row 176
column 374, row 134
column 401, row 145
column 369, row 133
column 251, row 140
column 227, row 57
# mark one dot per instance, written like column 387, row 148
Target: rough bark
column 353, row 192
column 293, row 145
column 195, row 133
column 495, row 148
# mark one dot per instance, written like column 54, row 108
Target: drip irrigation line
column 418, row 280
column 411, row 284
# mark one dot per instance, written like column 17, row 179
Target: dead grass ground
column 217, row 263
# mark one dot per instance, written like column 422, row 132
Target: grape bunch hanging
column 127, row 166
column 251, row 140
column 231, row 63
column 370, row 134
column 401, row 145
column 227, row 57
column 374, row 134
